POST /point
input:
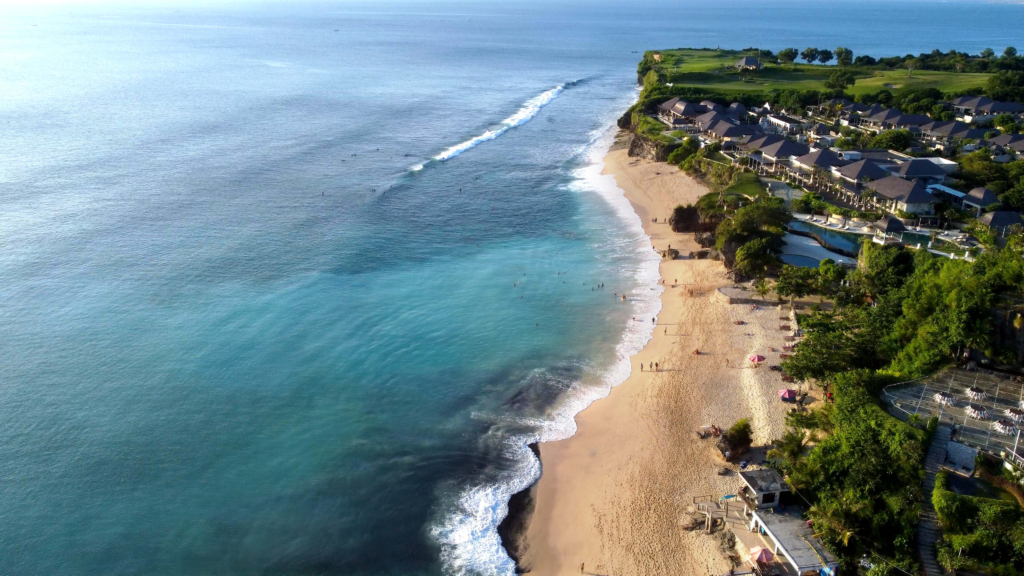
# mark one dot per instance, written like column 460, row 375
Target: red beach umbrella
column 761, row 555
column 756, row 358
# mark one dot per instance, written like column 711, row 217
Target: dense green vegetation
column 978, row 533
column 900, row 315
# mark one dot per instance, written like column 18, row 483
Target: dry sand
column 613, row 496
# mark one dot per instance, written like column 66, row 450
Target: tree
column 840, row 80
column 987, row 53
column 824, row 56
column 809, row 54
column 959, row 61
column 762, row 288
column 864, row 60
column 830, row 276
column 788, row 55
column 795, row 282
column 911, row 64
column 1005, row 121
column 844, row 56
column 740, row 434
column 1010, row 52
column 892, row 140
column 754, row 258
column 689, row 146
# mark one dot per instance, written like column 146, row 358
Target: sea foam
column 467, row 531
column 525, row 113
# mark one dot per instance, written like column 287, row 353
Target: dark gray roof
column 889, row 224
column 822, row 158
column 1001, row 219
column 971, row 102
column 820, row 129
column 709, row 118
column 918, row 168
column 711, row 105
column 689, row 109
column 784, row 149
column 856, row 107
column 726, row 129
column 737, row 109
column 1006, row 139
column 885, row 115
column 766, row 480
column 864, row 169
column 668, row 104
column 748, row 61
column 761, row 140
column 910, row 120
column 981, row 197
column 900, row 190
column 1001, row 108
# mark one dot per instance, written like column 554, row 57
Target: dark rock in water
column 512, row 529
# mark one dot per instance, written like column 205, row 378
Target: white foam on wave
column 467, row 534
column 525, row 113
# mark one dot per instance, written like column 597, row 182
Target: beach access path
column 614, row 496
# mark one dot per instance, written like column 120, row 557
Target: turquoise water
column 289, row 288
column 798, row 260
column 829, row 238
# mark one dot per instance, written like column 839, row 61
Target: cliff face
column 643, row 147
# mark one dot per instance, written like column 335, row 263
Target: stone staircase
column 928, row 532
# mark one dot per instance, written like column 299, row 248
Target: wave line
column 525, row 113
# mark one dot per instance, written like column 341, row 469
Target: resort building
column 748, row 63
column 784, row 124
column 1001, row 221
column 794, row 540
column 974, row 109
column 979, row 199
column 920, row 169
column 763, row 488
column 888, row 230
column 894, row 194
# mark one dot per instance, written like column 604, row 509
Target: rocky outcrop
column 643, row 147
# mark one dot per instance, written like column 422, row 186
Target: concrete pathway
column 928, row 532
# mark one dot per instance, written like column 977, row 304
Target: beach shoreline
column 610, row 498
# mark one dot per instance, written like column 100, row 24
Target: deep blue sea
column 287, row 288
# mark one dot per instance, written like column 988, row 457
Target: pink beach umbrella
column 787, row 394
column 755, row 358
column 761, row 555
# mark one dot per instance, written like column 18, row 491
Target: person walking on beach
column 581, row 567
column 650, row 365
column 656, row 367
column 641, row 366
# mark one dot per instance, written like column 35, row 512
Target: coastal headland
column 612, row 496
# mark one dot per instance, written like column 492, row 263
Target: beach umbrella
column 1015, row 414
column 976, row 393
column 756, row 358
column 761, row 555
column 1004, row 426
column 787, row 394
column 945, row 398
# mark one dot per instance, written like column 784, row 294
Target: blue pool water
column 288, row 288
column 829, row 238
column 798, row 260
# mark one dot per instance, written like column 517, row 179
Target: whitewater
column 525, row 113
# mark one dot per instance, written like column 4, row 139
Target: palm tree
column 834, row 518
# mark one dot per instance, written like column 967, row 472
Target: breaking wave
column 525, row 113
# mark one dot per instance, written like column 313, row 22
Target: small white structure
column 1004, row 427
column 794, row 540
column 977, row 412
column 945, row 398
column 763, row 487
column 1015, row 414
column 975, row 393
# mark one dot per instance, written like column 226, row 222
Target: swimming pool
column 798, row 260
column 846, row 243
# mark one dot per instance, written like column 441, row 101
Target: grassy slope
column 709, row 68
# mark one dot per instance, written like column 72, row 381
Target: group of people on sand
column 651, row 367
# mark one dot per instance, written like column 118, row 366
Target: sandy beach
column 614, row 496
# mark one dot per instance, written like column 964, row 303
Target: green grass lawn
column 747, row 184
column 714, row 69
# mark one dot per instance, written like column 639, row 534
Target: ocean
column 289, row 288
